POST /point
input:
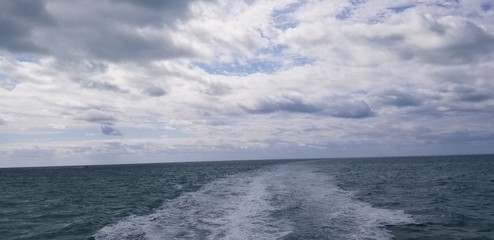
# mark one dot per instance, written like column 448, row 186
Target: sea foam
column 293, row 201
column 236, row 207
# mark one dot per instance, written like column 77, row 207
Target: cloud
column 284, row 102
column 409, row 36
column 93, row 115
column 172, row 9
column 335, row 106
column 350, row 109
column 114, row 30
column 7, row 83
column 238, row 79
column 434, row 40
column 109, row 130
column 450, row 40
column 154, row 91
column 399, row 98
column 103, row 86
column 18, row 20
column 471, row 94
column 217, row 88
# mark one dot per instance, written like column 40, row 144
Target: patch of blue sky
column 249, row 2
column 7, row 82
column 344, row 14
column 378, row 18
column 487, row 6
column 275, row 50
column 285, row 24
column 254, row 66
column 272, row 59
column 357, row 2
column 283, row 17
column 241, row 68
column 300, row 61
column 400, row 9
column 33, row 58
column 448, row 4
column 347, row 12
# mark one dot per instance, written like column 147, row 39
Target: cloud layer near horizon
column 87, row 82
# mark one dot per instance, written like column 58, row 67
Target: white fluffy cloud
column 86, row 82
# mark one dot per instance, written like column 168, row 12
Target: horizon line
column 241, row 160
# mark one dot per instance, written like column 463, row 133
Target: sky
column 121, row 81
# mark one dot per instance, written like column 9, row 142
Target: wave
column 287, row 201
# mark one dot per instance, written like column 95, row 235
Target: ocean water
column 375, row 198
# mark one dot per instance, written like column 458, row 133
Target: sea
column 439, row 197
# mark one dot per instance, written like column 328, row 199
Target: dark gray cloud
column 350, row 109
column 455, row 75
column 110, row 31
column 117, row 45
column 470, row 43
column 471, row 94
column 25, row 10
column 399, row 98
column 109, row 130
column 99, row 85
column 93, row 115
column 172, row 5
column 154, row 91
column 174, row 9
column 336, row 106
column 18, row 19
column 287, row 103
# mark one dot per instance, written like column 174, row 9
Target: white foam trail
column 333, row 212
column 236, row 207
column 270, row 203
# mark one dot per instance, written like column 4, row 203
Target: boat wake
column 286, row 201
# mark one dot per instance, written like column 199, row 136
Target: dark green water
column 379, row 198
column 448, row 197
column 73, row 203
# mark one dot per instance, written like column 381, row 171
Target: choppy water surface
column 379, row 198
